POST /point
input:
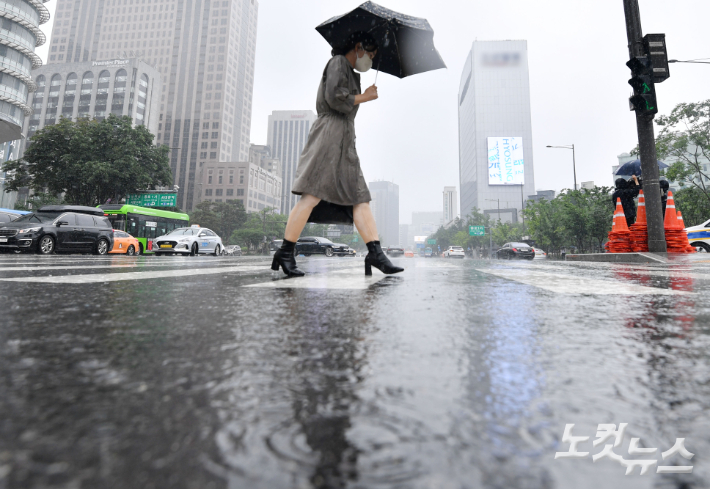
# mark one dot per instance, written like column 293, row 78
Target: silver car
column 190, row 241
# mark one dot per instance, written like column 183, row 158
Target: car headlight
column 29, row 230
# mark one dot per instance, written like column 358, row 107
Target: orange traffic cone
column 670, row 220
column 688, row 248
column 676, row 237
column 639, row 229
column 619, row 236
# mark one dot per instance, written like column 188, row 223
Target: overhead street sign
column 152, row 200
column 431, row 241
column 477, row 230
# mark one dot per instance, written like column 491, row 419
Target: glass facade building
column 19, row 36
column 494, row 102
column 204, row 51
column 286, row 136
column 385, row 208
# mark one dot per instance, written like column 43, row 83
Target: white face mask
column 363, row 64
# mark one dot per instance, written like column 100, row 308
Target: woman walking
column 329, row 168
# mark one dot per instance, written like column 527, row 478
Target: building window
column 230, row 192
column 231, row 179
column 240, row 191
column 220, row 179
column 208, row 192
column 218, row 192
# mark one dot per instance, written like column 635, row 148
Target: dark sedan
column 511, row 251
column 313, row 245
column 395, row 251
column 59, row 228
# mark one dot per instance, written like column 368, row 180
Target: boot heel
column 275, row 265
column 368, row 268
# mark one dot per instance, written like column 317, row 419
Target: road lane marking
column 119, row 277
column 348, row 279
column 566, row 284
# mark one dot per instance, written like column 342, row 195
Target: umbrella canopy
column 634, row 168
column 406, row 44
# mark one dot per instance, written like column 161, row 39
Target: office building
column 548, row 195
column 385, row 208
column 247, row 182
column 20, row 35
column 424, row 224
column 261, row 155
column 204, row 51
column 495, row 133
column 451, row 204
column 587, row 185
column 95, row 89
column 287, row 134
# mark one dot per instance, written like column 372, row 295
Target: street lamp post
column 574, row 163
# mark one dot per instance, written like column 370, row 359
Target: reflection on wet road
column 210, row 373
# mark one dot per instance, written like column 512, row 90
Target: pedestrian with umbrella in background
column 329, row 179
column 627, row 192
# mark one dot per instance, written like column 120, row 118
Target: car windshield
column 519, row 245
column 37, row 218
column 184, row 232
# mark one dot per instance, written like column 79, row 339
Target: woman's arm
column 370, row 94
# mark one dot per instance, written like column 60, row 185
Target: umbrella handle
column 378, row 71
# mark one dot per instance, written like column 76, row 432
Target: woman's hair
column 664, row 185
column 620, row 183
column 367, row 41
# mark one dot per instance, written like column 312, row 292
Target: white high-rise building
column 451, row 204
column 287, row 135
column 204, row 51
column 385, row 208
column 495, row 129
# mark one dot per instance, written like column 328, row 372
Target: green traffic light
column 646, row 88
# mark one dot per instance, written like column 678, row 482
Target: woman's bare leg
column 365, row 222
column 298, row 217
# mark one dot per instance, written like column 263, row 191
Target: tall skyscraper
column 19, row 36
column 204, row 51
column 495, row 133
column 451, row 204
column 286, row 136
column 385, row 208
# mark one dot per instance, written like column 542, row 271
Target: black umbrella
column 406, row 44
column 634, row 168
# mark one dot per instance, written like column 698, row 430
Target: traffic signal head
column 644, row 98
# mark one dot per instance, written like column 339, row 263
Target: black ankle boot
column 377, row 258
column 285, row 257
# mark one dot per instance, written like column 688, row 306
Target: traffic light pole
column 647, row 141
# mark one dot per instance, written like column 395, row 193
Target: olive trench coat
column 329, row 167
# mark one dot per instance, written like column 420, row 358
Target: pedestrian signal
column 644, row 99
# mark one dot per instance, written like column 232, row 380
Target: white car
column 539, row 254
column 190, row 241
column 454, row 252
column 699, row 236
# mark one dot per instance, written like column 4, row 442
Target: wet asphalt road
column 209, row 373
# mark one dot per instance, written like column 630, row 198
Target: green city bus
column 144, row 223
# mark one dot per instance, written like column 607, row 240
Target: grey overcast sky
column 577, row 52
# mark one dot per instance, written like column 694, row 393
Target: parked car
column 409, row 254
column 699, row 236
column 511, row 251
column 60, row 228
column 232, row 250
column 539, row 254
column 313, row 245
column 190, row 241
column 9, row 215
column 124, row 243
column 395, row 251
column 454, row 252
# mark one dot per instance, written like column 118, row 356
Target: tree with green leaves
column 90, row 161
column 221, row 217
column 693, row 204
column 685, row 138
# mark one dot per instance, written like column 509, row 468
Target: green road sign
column 430, row 241
column 476, row 230
column 152, row 200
